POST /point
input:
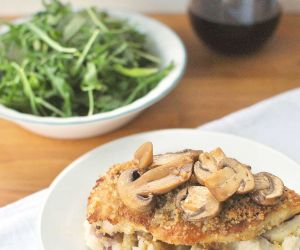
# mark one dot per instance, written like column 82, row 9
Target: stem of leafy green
column 86, row 49
column 120, row 49
column 135, row 72
column 27, row 88
column 73, row 27
column 53, row 44
column 149, row 57
column 50, row 107
column 62, row 88
column 96, row 21
column 91, row 102
column 147, row 81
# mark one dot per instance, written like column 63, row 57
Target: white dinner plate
column 63, row 214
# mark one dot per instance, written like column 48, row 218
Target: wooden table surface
column 212, row 87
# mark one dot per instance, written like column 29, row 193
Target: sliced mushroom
column 218, row 154
column 233, row 177
column 243, row 173
column 144, row 155
column 223, row 184
column 197, row 203
column 137, row 191
column 205, row 167
column 163, row 159
column 170, row 181
column 131, row 199
column 268, row 189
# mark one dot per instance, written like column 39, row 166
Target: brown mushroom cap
column 197, row 203
column 163, row 159
column 144, row 155
column 205, row 167
column 137, row 193
column 133, row 200
column 233, row 177
column 217, row 154
column 268, row 189
column 223, row 184
column 208, row 163
column 247, row 183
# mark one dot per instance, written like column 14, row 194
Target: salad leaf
column 63, row 63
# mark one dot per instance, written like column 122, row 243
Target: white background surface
column 21, row 7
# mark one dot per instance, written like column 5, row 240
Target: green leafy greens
column 63, row 63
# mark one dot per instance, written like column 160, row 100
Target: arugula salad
column 62, row 63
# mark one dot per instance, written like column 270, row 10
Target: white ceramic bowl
column 162, row 40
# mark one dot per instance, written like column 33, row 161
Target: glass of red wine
column 234, row 26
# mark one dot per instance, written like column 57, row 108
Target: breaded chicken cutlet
column 189, row 200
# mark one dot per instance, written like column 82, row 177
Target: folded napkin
column 18, row 223
column 275, row 122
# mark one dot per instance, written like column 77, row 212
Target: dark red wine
column 234, row 38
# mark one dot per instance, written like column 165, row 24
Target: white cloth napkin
column 18, row 223
column 275, row 122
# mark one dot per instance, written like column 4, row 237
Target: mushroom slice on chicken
column 163, row 159
column 208, row 163
column 137, row 191
column 205, row 167
column 268, row 189
column 218, row 154
column 233, row 177
column 242, row 172
column 223, row 184
column 197, row 203
column 144, row 155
